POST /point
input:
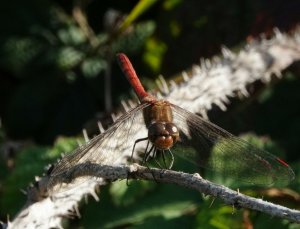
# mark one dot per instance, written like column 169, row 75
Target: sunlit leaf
column 155, row 50
column 139, row 9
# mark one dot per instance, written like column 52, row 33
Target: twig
column 80, row 17
column 230, row 197
column 193, row 181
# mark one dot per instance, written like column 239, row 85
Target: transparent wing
column 224, row 153
column 112, row 147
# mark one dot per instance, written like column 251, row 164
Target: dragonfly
column 157, row 128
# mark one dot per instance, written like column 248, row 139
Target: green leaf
column 260, row 142
column 19, row 52
column 71, row 35
column 155, row 50
column 29, row 163
column 124, row 195
column 165, row 202
column 92, row 67
column 138, row 10
column 134, row 41
column 63, row 145
column 68, row 57
column 261, row 220
column 218, row 217
column 171, row 4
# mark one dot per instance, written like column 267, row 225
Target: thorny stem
column 193, row 181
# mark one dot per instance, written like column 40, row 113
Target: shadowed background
column 58, row 57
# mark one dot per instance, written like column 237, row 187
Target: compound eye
column 163, row 135
column 173, row 131
column 155, row 130
column 171, row 128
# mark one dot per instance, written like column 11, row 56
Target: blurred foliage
column 235, row 181
column 31, row 161
column 151, row 204
column 55, row 59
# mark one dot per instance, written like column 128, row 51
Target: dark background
column 52, row 84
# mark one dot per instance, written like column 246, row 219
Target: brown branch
column 193, row 181
column 81, row 19
column 230, row 197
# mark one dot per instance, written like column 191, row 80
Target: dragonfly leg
column 155, row 160
column 165, row 164
column 164, row 159
column 158, row 164
column 172, row 159
column 148, row 154
column 146, row 158
column 131, row 158
column 137, row 141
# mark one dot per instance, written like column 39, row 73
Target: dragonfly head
column 163, row 134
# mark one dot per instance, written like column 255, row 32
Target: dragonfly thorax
column 163, row 135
